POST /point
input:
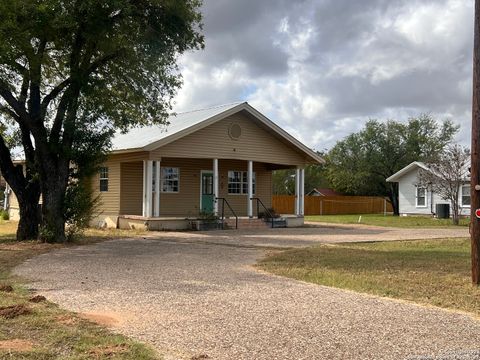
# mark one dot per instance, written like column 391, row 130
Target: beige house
column 217, row 160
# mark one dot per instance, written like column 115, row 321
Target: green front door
column 207, row 192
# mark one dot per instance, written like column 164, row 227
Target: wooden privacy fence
column 333, row 205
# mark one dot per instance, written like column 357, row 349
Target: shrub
column 80, row 207
column 4, row 215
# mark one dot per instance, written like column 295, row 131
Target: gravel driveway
column 192, row 298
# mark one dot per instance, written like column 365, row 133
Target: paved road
column 191, row 297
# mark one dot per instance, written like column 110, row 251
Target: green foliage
column 360, row 163
column 80, row 208
column 315, row 177
column 4, row 215
column 207, row 216
column 75, row 71
column 126, row 52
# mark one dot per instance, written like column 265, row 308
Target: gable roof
column 151, row 137
column 324, row 192
column 416, row 164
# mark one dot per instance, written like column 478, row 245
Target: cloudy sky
column 321, row 68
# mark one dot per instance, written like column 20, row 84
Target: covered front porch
column 178, row 193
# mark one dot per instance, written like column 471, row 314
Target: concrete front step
column 254, row 223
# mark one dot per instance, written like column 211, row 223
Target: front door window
column 207, row 192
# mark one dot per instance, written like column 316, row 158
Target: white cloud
column 321, row 69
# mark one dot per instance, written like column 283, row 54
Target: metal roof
column 151, row 137
column 418, row 164
column 138, row 138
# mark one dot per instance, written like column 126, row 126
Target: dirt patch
column 37, row 299
column 108, row 351
column 10, row 312
column 67, row 320
column 6, row 288
column 17, row 345
column 105, row 319
column 200, row 357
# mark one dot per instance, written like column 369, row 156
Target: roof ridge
column 211, row 107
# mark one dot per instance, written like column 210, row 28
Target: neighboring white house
column 417, row 200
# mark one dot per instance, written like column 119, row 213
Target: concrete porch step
column 255, row 223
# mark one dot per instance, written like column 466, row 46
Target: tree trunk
column 54, row 184
column 29, row 213
column 455, row 213
column 393, row 196
column 53, row 219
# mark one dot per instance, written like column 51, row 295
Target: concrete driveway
column 312, row 234
column 196, row 294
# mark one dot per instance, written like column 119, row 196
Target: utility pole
column 475, row 151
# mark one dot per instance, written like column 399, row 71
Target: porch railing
column 224, row 201
column 266, row 211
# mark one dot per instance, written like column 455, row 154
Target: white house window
column 465, row 195
column 169, row 179
column 103, row 172
column 238, row 182
column 421, row 197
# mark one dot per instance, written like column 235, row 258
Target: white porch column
column 156, row 206
column 250, row 189
column 6, row 205
column 297, row 192
column 144, row 191
column 147, row 187
column 302, row 192
column 215, row 186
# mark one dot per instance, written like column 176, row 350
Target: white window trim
column 100, row 178
column 461, row 197
column 241, row 183
column 416, row 197
column 162, row 179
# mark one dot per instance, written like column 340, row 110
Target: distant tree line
column 360, row 163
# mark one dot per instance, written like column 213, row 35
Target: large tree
column 360, row 163
column 72, row 67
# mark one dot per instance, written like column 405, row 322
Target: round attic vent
column 235, row 131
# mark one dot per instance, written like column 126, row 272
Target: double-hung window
column 465, row 193
column 238, row 182
column 103, row 175
column 169, row 180
column 421, row 198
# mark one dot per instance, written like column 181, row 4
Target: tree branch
column 12, row 174
column 7, row 95
column 59, row 117
column 52, row 95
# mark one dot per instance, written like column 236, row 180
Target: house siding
column 255, row 143
column 131, row 188
column 186, row 203
column 109, row 201
column 407, row 197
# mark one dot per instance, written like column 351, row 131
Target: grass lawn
column 388, row 220
column 435, row 272
column 44, row 331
